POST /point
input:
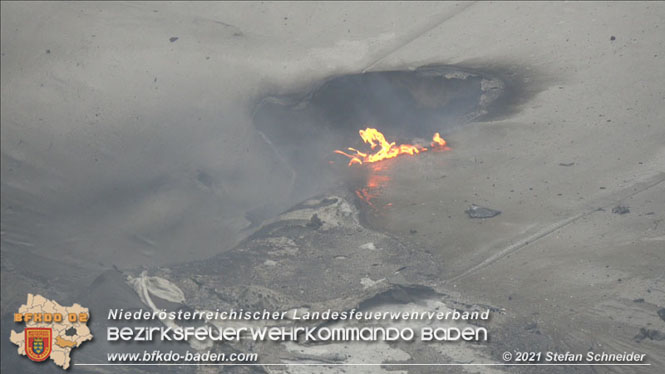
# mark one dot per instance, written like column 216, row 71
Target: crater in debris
column 303, row 128
column 402, row 104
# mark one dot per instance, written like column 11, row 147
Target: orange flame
column 387, row 150
column 437, row 139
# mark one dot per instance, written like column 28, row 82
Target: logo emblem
column 38, row 343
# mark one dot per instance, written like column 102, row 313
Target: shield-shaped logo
column 38, row 343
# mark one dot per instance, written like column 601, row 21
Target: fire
column 437, row 139
column 376, row 181
column 386, row 150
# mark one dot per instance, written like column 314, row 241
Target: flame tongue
column 437, row 139
column 386, row 150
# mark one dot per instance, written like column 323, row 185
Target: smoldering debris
column 650, row 334
column 315, row 222
column 661, row 313
column 476, row 211
column 310, row 270
column 621, row 209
